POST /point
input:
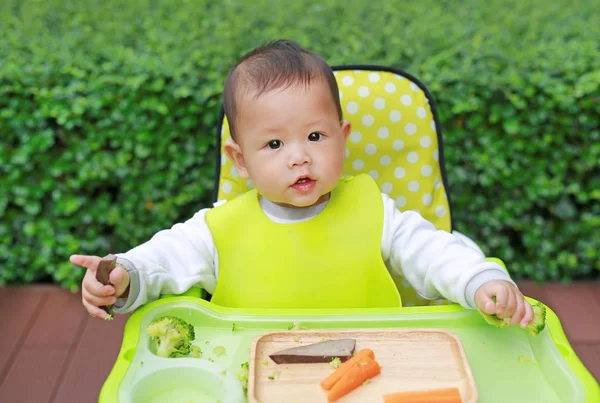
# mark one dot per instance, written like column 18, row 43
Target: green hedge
column 107, row 115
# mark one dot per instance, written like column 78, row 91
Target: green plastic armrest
column 192, row 292
column 500, row 262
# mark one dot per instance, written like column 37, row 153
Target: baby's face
column 292, row 144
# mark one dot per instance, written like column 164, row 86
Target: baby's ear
column 346, row 127
column 234, row 152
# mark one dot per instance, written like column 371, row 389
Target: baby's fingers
column 89, row 262
column 502, row 300
column 96, row 300
column 93, row 286
column 94, row 310
column 519, row 312
column 528, row 315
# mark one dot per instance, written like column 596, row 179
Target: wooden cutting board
column 410, row 359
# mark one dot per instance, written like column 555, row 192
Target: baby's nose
column 299, row 156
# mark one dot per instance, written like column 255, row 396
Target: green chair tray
column 507, row 364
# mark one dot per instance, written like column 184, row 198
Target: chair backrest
column 396, row 138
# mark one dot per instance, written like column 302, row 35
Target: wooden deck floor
column 52, row 351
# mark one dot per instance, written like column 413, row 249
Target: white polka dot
column 379, row 103
column 410, row 129
column 385, row 160
column 374, row 77
column 399, row 172
column 250, row 184
column 426, row 170
column 227, row 187
column 421, row 112
column 371, row 149
column 395, row 116
column 341, row 94
column 234, row 173
column 440, row 211
column 387, row 187
column 413, row 186
column 432, row 125
column 347, row 80
column 223, row 159
column 398, row 145
column 358, row 164
column 390, row 87
column 406, row 100
column 398, row 77
column 427, row 199
column 368, row 120
column 352, row 107
column 355, row 137
column 347, row 153
column 436, row 155
column 363, row 91
column 412, row 157
column 437, row 183
column 383, row 133
column 400, row 201
column 425, row 141
column 414, row 87
column 374, row 174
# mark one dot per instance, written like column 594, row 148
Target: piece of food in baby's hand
column 106, row 265
column 534, row 328
column 447, row 395
column 317, row 352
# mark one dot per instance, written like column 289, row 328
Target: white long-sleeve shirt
column 436, row 263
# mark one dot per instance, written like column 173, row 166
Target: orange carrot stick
column 358, row 374
column 328, row 382
column 448, row 395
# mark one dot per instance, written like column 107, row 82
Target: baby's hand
column 510, row 303
column 94, row 294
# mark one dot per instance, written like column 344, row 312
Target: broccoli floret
column 243, row 377
column 296, row 326
column 219, row 351
column 539, row 319
column 535, row 326
column 172, row 336
column 195, row 352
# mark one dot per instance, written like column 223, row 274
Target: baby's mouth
column 304, row 183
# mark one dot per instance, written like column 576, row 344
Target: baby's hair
column 275, row 65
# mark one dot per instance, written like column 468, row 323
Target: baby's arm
column 171, row 262
column 436, row 263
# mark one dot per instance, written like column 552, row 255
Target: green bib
column 330, row 261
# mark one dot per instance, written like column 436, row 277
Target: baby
column 304, row 237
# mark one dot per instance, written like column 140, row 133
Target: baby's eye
column 315, row 136
column 274, row 144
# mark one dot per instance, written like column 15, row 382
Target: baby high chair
column 396, row 139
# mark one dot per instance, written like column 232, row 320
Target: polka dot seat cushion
column 395, row 138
